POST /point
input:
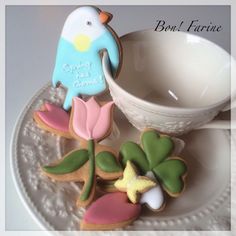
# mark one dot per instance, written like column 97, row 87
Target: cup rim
column 110, row 80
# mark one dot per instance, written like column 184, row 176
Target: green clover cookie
column 154, row 155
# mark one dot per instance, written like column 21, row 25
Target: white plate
column 203, row 206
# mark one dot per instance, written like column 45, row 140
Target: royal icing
column 156, row 148
column 78, row 64
column 89, row 184
column 154, row 157
column 170, row 174
column 154, row 197
column 72, row 161
column 132, row 183
column 89, row 120
column 110, row 209
column 54, row 117
column 133, row 152
column 107, row 162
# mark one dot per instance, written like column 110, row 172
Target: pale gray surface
column 32, row 33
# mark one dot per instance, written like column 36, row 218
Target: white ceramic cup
column 171, row 81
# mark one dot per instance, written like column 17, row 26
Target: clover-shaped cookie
column 153, row 156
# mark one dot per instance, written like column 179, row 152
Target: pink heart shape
column 111, row 208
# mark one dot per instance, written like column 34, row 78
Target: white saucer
column 203, row 206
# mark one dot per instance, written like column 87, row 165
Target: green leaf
column 107, row 162
column 170, row 173
column 157, row 148
column 133, row 152
column 71, row 162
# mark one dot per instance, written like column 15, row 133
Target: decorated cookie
column 154, row 155
column 107, row 186
column 92, row 123
column 111, row 211
column 90, row 120
column 54, row 119
column 140, row 174
column 78, row 63
column 153, row 198
column 83, row 165
column 133, row 184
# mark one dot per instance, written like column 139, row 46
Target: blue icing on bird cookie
column 78, row 64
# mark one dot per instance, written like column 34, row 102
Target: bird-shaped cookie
column 78, row 64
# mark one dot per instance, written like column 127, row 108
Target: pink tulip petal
column 79, row 118
column 55, row 117
column 111, row 209
column 93, row 112
column 52, row 107
column 104, row 121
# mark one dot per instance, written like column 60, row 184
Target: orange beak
column 105, row 17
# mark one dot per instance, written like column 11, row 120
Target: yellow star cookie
column 133, row 184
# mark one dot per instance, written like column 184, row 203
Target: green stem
column 89, row 184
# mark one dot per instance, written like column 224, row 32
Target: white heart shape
column 154, row 197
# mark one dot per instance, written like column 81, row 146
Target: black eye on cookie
column 89, row 23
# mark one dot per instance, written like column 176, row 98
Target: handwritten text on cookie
column 81, row 74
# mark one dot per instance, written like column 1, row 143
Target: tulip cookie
column 109, row 212
column 139, row 173
column 53, row 119
column 91, row 122
column 78, row 63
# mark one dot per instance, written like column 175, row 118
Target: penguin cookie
column 78, row 64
